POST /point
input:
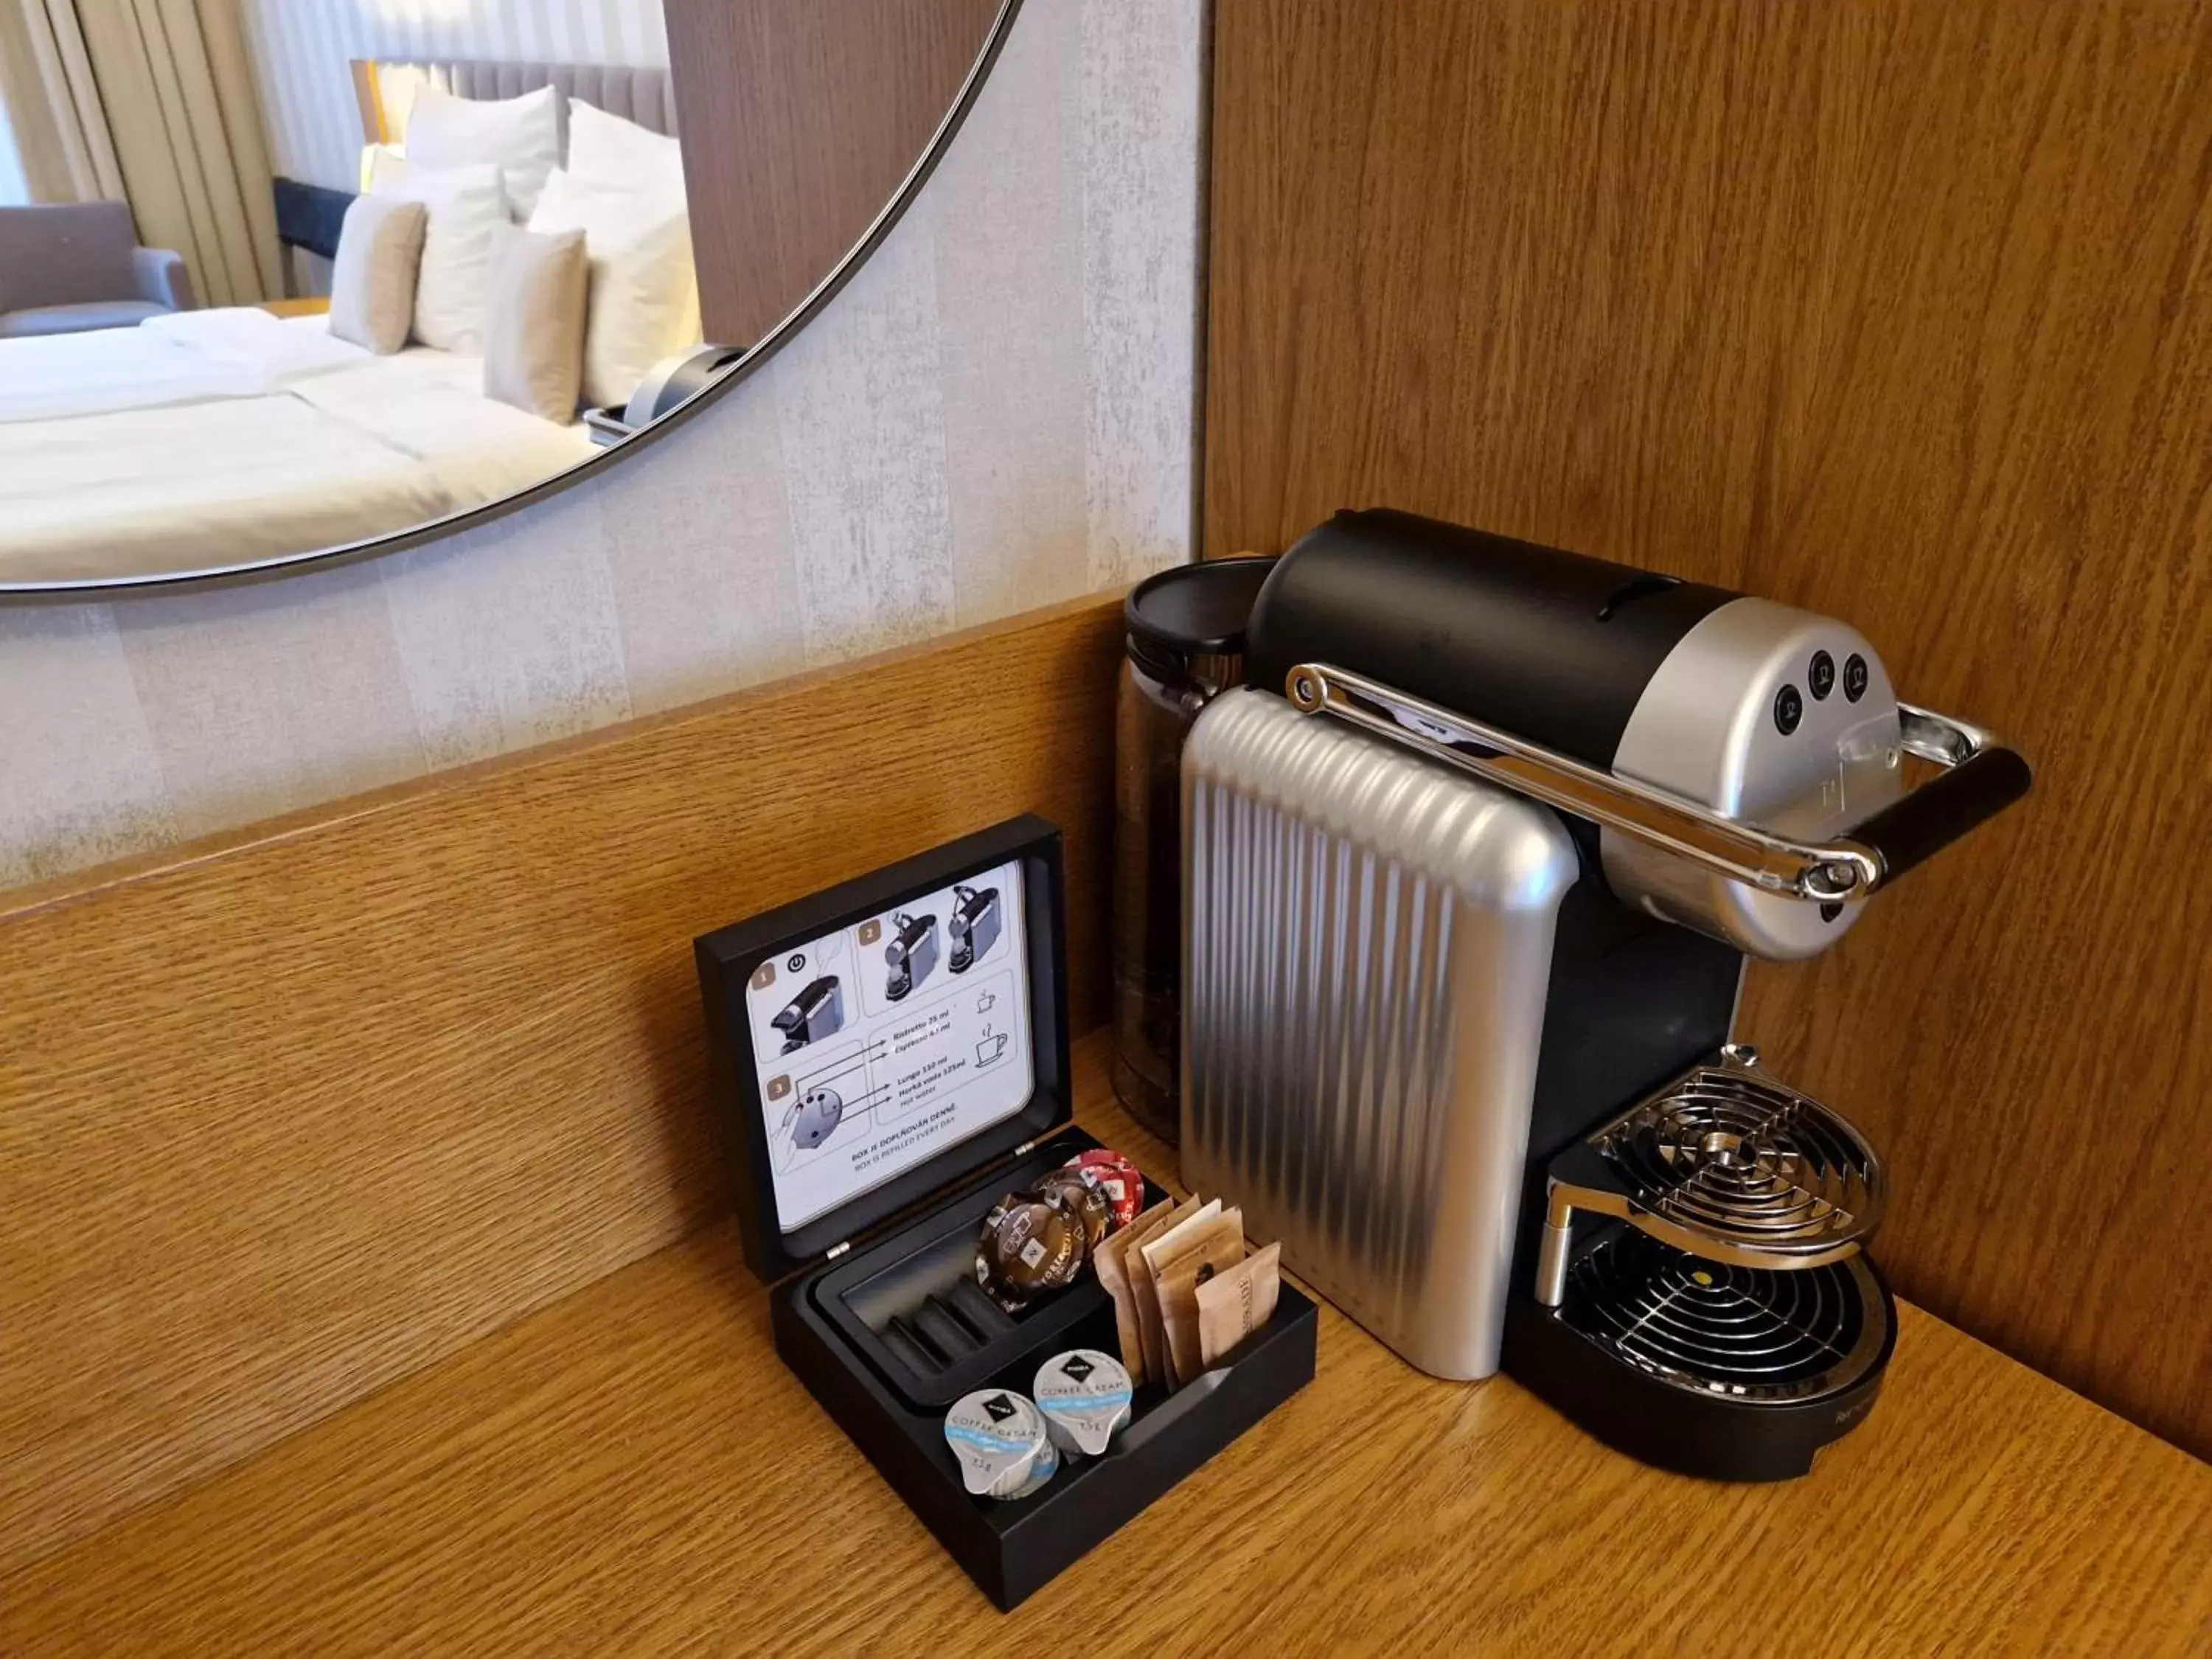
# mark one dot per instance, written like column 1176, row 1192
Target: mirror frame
column 755, row 358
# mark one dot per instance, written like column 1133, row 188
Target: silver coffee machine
column 1471, row 867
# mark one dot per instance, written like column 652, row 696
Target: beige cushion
column 645, row 302
column 465, row 204
column 534, row 300
column 372, row 278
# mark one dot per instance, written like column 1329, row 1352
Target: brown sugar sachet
column 1236, row 1302
column 1111, row 1259
column 1145, row 1258
column 1163, row 1251
column 1219, row 1247
column 1151, row 1344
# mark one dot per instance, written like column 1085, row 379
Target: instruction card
column 879, row 1045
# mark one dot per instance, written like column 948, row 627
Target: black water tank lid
column 1195, row 610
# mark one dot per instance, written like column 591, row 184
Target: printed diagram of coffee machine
column 817, row 1012
column 912, row 953
column 973, row 926
column 837, row 1092
column 1511, row 821
column 818, row 1117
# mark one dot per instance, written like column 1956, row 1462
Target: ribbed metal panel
column 1367, row 941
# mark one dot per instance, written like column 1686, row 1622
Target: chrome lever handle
column 1984, row 777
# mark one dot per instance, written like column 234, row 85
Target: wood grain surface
column 799, row 119
column 634, row 1472
column 1897, row 312
column 287, row 1114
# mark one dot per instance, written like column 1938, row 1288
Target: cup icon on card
column 990, row 1049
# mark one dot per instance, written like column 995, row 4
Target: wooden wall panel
column 1896, row 311
column 288, row 1113
column 800, row 119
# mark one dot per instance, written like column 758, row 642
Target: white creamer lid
column 1084, row 1395
column 995, row 1435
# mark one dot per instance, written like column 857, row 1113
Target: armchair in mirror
column 293, row 280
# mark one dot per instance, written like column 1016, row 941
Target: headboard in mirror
column 516, row 292
column 387, row 90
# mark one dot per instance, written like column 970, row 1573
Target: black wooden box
column 890, row 1056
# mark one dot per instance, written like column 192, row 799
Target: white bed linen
column 193, row 485
column 431, row 404
column 370, row 446
column 232, row 352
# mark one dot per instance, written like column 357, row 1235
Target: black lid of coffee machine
column 1553, row 646
column 1193, row 610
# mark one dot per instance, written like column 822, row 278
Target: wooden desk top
column 312, row 306
column 634, row 1472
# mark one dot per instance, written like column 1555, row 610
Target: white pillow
column 605, row 149
column 645, row 298
column 465, row 205
column 519, row 136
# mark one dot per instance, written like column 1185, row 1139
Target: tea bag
column 1235, row 1303
column 1218, row 1247
column 1151, row 1345
column 1111, row 1259
column 1151, row 1255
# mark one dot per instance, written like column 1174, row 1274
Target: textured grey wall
column 997, row 413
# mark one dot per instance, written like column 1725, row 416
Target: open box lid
column 881, row 1042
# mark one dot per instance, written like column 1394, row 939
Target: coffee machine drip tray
column 1740, row 1161
column 1700, row 1299
column 1724, row 1163
column 1753, row 1335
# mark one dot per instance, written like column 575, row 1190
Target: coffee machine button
column 1855, row 677
column 1821, row 677
column 1789, row 709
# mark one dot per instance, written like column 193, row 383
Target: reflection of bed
column 215, row 437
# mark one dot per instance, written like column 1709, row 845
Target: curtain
column 152, row 101
column 53, row 104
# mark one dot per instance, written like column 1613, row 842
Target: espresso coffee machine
column 1472, row 867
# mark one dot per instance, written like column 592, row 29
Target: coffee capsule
column 1046, row 1466
column 1029, row 1243
column 1123, row 1183
column 996, row 1436
column 1083, row 1192
column 1083, row 1395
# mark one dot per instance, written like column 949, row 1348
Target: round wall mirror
column 293, row 281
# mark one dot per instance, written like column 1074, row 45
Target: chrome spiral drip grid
column 1726, row 1165
column 1757, row 1335
column 1747, row 1165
